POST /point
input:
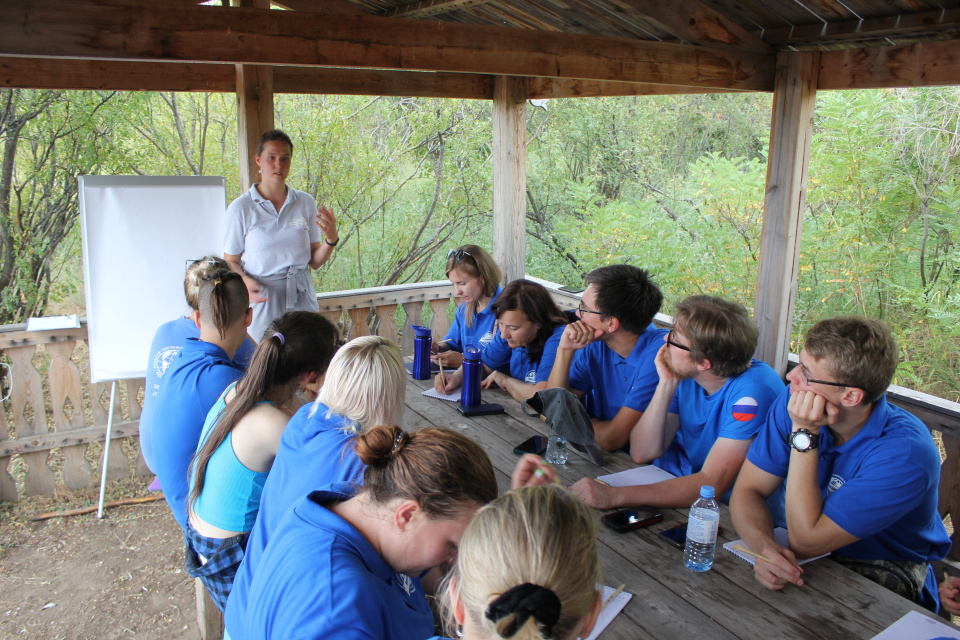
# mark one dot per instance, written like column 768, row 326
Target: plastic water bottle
column 702, row 525
column 556, row 449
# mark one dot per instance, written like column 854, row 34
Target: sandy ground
column 79, row 577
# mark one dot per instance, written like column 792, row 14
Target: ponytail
column 299, row 342
column 223, row 300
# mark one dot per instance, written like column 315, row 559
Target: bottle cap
column 706, row 491
column 421, row 332
column 471, row 353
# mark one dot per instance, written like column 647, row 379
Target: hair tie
column 216, row 282
column 524, row 601
column 279, row 336
column 396, row 443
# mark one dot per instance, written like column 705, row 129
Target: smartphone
column 536, row 444
column 630, row 519
column 571, row 289
column 677, row 536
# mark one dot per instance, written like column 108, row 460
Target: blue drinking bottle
column 421, row 352
column 470, row 395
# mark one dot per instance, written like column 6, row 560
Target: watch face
column 801, row 441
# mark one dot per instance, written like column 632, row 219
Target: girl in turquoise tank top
column 239, row 442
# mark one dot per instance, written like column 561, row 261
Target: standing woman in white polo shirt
column 275, row 234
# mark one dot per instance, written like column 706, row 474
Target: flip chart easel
column 138, row 233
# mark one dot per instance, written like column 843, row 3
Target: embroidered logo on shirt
column 405, row 582
column 531, row 376
column 745, row 409
column 298, row 223
column 164, row 359
column 835, row 483
column 486, row 339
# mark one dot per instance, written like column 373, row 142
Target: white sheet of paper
column 648, row 474
column 782, row 538
column 48, row 323
column 453, row 396
column 917, row 626
column 610, row 611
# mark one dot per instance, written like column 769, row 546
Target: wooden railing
column 53, row 408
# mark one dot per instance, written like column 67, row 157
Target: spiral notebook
column 453, row 396
column 782, row 538
column 610, row 610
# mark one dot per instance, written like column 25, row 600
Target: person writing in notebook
column 608, row 355
column 710, row 402
column 859, row 476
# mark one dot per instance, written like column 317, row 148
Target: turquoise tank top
column 231, row 492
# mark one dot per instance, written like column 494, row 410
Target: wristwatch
column 803, row 440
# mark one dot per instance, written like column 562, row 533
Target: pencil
column 742, row 549
column 599, row 481
column 443, row 380
column 612, row 596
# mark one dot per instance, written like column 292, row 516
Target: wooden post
column 510, row 176
column 209, row 618
column 254, row 108
column 794, row 97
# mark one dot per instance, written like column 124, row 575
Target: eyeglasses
column 808, row 380
column 582, row 308
column 457, row 254
column 675, row 344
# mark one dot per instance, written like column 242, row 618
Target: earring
column 259, row 170
column 459, row 631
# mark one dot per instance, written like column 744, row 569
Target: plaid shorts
column 223, row 556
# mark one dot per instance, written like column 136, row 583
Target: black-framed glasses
column 675, row 344
column 582, row 308
column 457, row 254
column 808, row 380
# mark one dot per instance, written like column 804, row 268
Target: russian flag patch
column 745, row 409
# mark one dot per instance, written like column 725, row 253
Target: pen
column 540, row 473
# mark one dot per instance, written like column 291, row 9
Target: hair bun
column 378, row 446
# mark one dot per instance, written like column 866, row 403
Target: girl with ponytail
column 345, row 563
column 239, row 442
column 527, row 569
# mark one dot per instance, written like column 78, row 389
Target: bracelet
column 332, row 244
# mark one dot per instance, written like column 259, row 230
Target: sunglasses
column 457, row 254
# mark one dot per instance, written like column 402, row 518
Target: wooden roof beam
column 330, row 7
column 427, row 8
column 923, row 64
column 902, row 26
column 116, row 29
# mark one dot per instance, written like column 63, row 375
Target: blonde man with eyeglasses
column 859, row 477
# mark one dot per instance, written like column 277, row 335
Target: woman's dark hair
column 274, row 135
column 308, row 343
column 223, row 300
column 535, row 303
column 439, row 469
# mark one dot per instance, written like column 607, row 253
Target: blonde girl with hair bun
column 527, row 569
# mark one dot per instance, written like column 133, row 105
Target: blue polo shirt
column 315, row 450
column 481, row 331
column 167, row 343
column 610, row 381
column 736, row 411
column 880, row 486
column 516, row 362
column 191, row 386
column 320, row 578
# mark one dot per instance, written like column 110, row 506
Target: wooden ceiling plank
column 429, row 8
column 330, row 7
column 696, row 23
column 603, row 18
column 923, row 64
column 539, row 88
column 903, row 25
column 111, row 75
column 114, row 29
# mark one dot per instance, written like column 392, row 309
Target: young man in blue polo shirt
column 609, row 354
column 861, row 474
column 711, row 401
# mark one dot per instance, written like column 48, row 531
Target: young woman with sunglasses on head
column 476, row 281
column 527, row 569
column 521, row 355
column 239, row 442
column 345, row 563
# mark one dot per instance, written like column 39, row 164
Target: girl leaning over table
column 345, row 561
column 275, row 234
column 476, row 281
column 526, row 569
column 239, row 442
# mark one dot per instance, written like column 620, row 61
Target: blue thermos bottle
column 421, row 352
column 472, row 368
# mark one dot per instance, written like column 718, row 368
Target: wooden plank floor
column 671, row 602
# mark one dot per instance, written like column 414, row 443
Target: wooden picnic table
column 669, row 601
